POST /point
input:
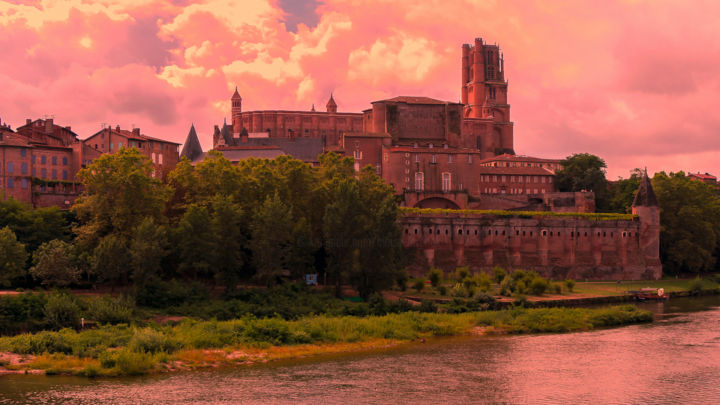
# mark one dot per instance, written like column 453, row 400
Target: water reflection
column 673, row 360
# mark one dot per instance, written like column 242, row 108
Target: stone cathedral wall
column 555, row 247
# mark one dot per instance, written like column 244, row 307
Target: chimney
column 48, row 125
column 117, row 127
column 28, row 121
column 136, row 131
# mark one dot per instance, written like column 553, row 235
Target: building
column 40, row 160
column 163, row 154
column 704, row 177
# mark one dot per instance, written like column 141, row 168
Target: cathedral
column 437, row 154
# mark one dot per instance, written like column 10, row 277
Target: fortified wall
column 581, row 246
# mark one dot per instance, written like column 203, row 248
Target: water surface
column 674, row 360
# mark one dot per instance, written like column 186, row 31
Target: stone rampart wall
column 556, row 247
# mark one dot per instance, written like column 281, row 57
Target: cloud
column 631, row 81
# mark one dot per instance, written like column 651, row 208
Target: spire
column 645, row 196
column 236, row 95
column 313, row 108
column 331, row 105
column 192, row 149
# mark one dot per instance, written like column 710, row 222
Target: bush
column 519, row 275
column 696, row 286
column 428, row 306
column 538, row 286
column 435, row 276
column 163, row 294
column 483, row 281
column 133, row 363
column 419, row 284
column 498, row 274
column 112, row 310
column 61, row 311
column 269, row 330
column 442, row 290
column 22, row 312
column 485, row 302
column 570, row 284
column 461, row 273
column 401, row 280
column 507, row 286
column 377, row 304
column 400, row 306
column 556, row 288
column 520, row 287
column 148, row 340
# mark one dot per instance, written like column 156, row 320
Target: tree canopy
column 584, row 172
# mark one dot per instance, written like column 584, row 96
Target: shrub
column 163, row 294
column 556, row 288
column 400, row 306
column 269, row 330
column 112, row 310
column 401, row 280
column 377, row 304
column 520, row 287
column 507, row 286
column 538, row 285
column 428, row 306
column 61, row 311
column 569, row 284
column 485, row 302
column 435, row 276
column 498, row 274
column 519, row 275
column 442, row 290
column 419, row 284
column 148, row 340
column 483, row 281
column 461, row 273
column 696, row 286
column 133, row 363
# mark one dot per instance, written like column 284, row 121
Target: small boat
column 649, row 293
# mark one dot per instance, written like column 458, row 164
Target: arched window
column 446, row 182
column 419, row 181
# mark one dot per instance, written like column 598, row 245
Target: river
column 676, row 359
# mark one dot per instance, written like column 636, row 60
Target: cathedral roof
column 645, row 196
column 192, row 149
column 236, row 95
column 413, row 100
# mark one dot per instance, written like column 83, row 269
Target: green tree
column 120, row 192
column 12, row 256
column 61, row 311
column 195, row 243
column 33, row 227
column 622, row 192
column 148, row 248
column 54, row 264
column 272, row 239
column 583, row 171
column 228, row 234
column 109, row 261
column 690, row 224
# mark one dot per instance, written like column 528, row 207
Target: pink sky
column 635, row 82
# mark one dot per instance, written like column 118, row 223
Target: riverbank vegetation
column 132, row 349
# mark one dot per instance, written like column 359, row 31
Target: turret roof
column 192, row 148
column 645, row 196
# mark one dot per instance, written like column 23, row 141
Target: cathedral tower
column 484, row 89
column 236, row 111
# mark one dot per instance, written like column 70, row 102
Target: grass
column 612, row 288
column 130, row 350
column 595, row 216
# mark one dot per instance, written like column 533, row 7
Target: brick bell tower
column 483, row 80
column 236, row 112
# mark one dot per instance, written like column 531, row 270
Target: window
column 65, row 176
column 446, row 184
column 23, row 167
column 417, row 158
column 378, row 169
column 11, row 167
column 119, row 145
column 433, row 159
column 153, row 157
column 32, row 159
column 469, row 159
column 43, row 173
column 65, row 161
column 54, row 160
column 24, row 183
column 54, row 174
column 33, row 171
column 503, row 179
column 542, row 179
column 160, row 158
column 450, row 158
column 385, row 156
column 357, row 155
column 11, row 182
column 23, row 152
column 111, row 146
column 419, row 181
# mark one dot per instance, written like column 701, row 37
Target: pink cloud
column 631, row 81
